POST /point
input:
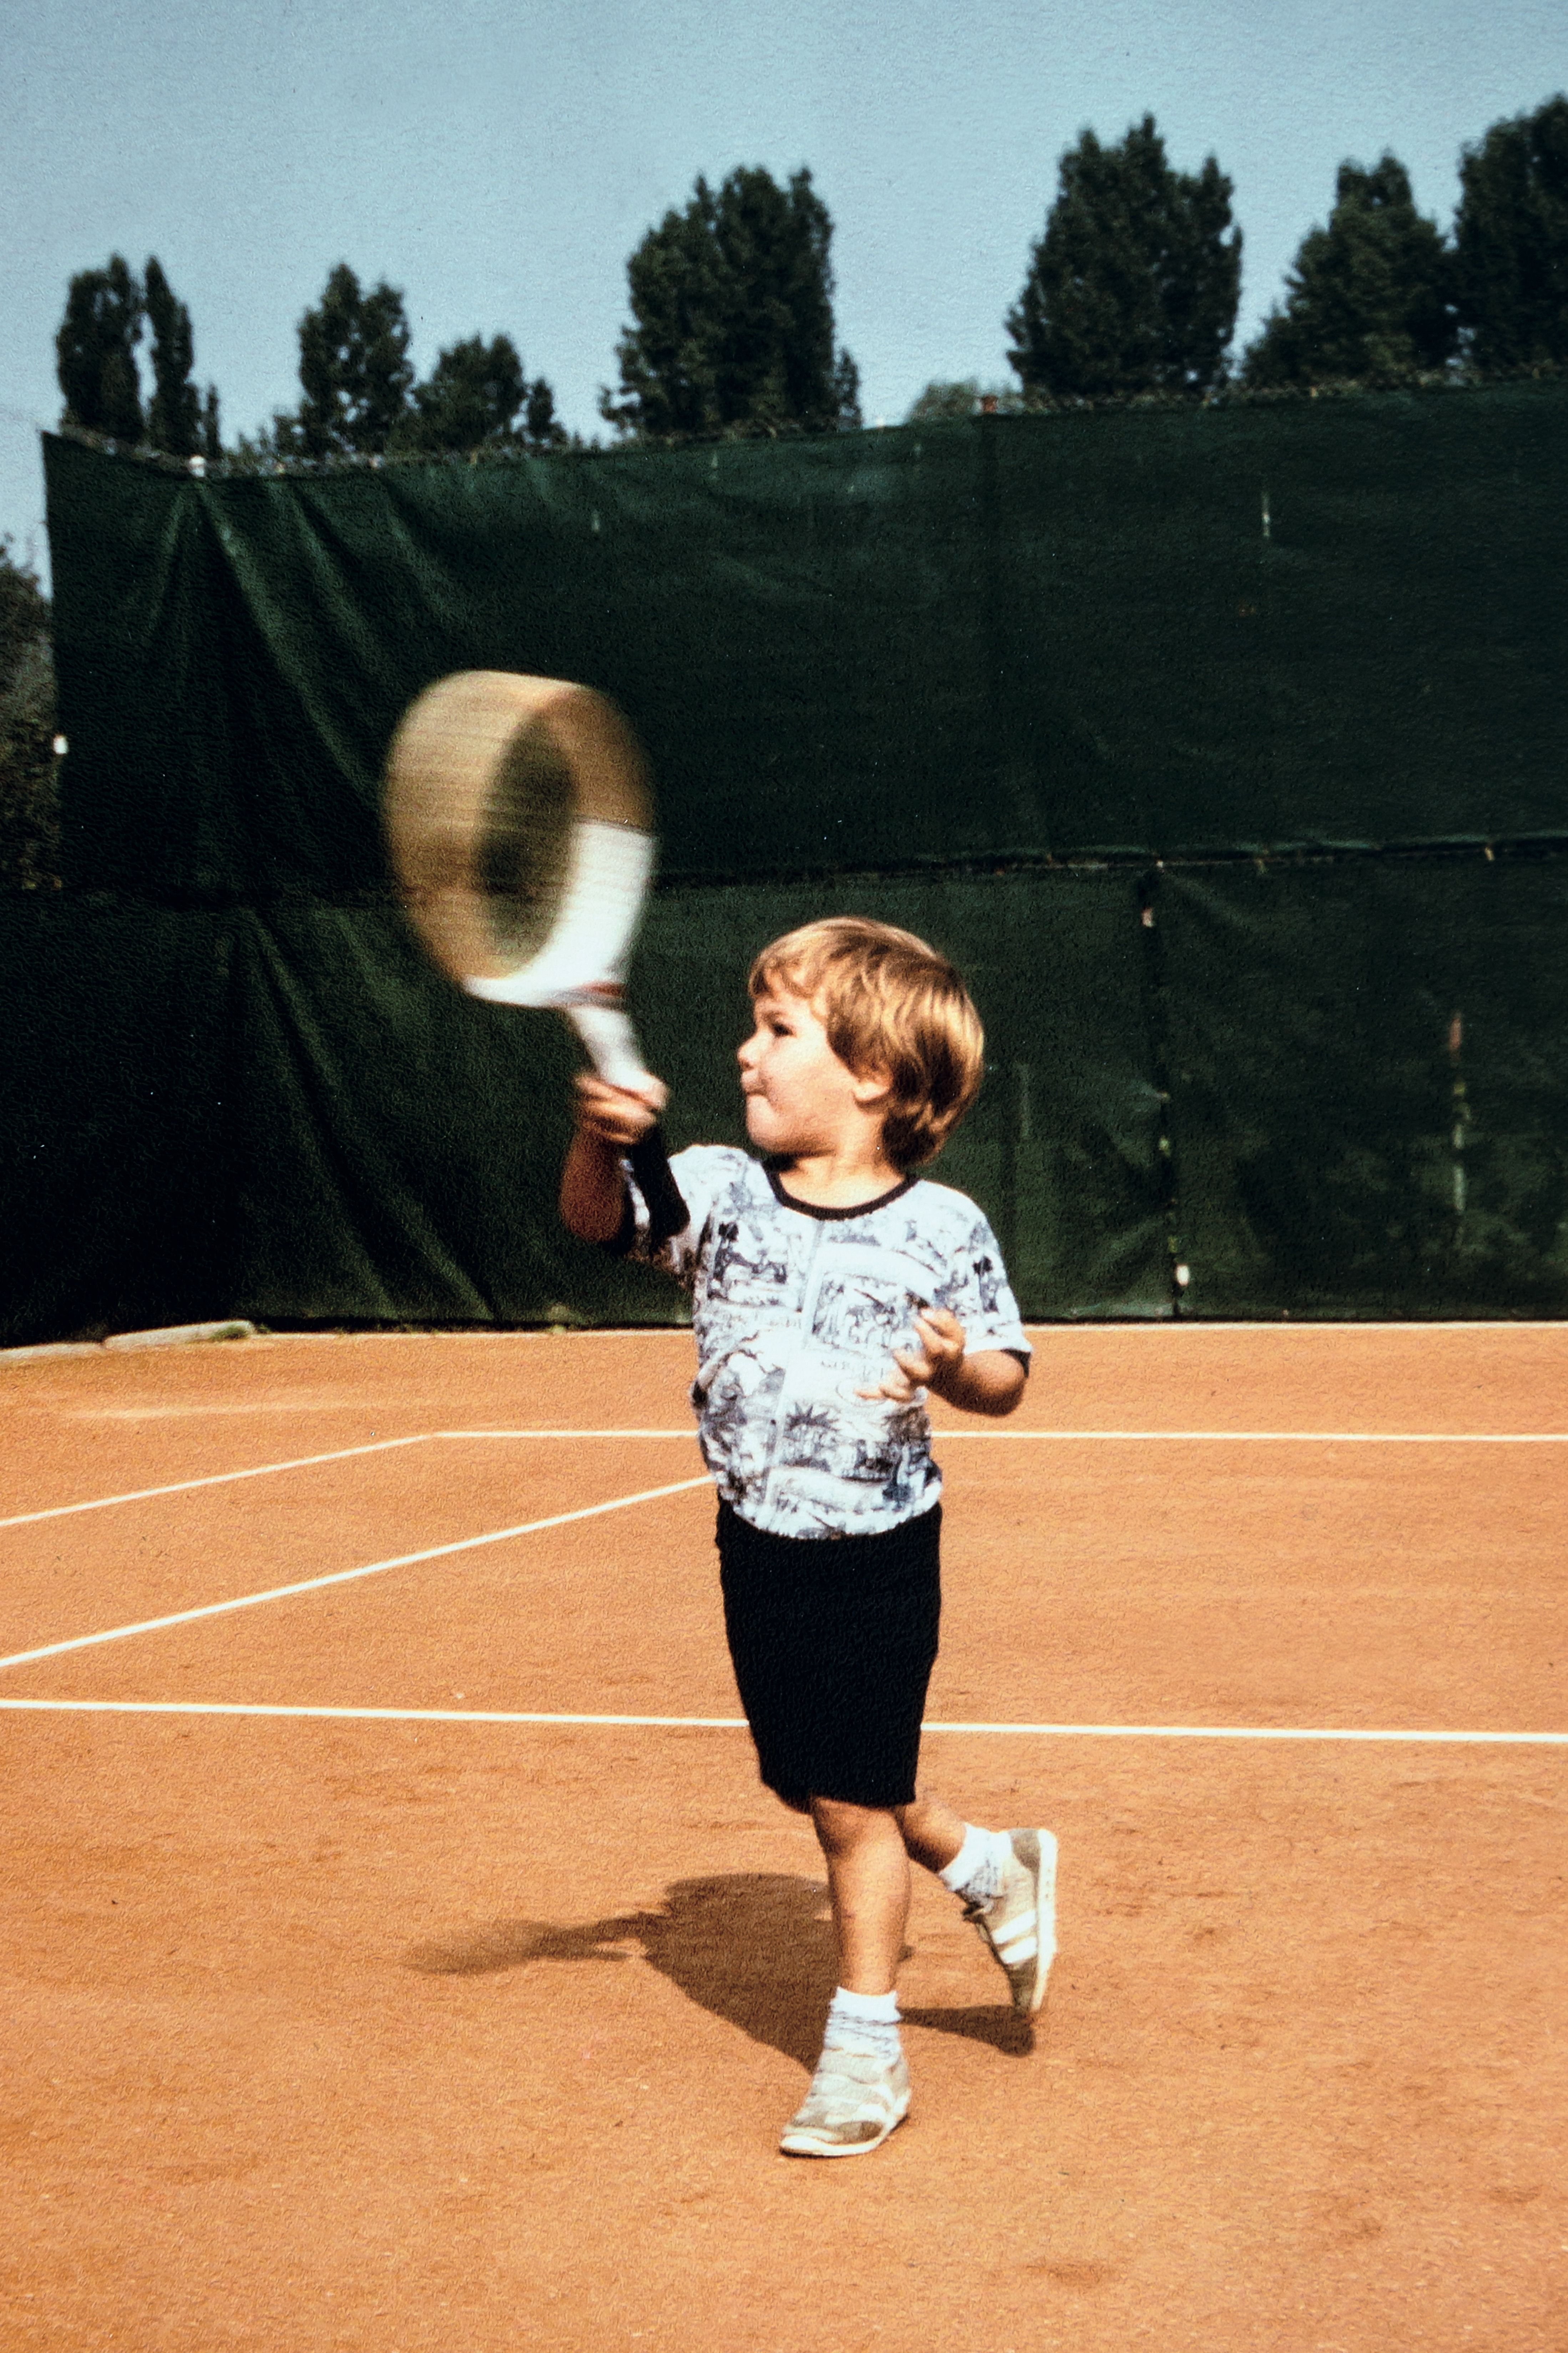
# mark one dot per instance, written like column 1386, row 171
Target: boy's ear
column 872, row 1086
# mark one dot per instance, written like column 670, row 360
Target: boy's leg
column 861, row 2090
column 932, row 1834
column 1006, row 1880
column 869, row 1882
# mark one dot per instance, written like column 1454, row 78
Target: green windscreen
column 1369, row 1108
column 1221, row 746
column 1156, row 633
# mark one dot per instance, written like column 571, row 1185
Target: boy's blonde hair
column 890, row 1003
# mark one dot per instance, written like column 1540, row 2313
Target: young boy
column 833, row 1289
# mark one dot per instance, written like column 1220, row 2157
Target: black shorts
column 833, row 1639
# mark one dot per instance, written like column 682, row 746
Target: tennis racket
column 519, row 822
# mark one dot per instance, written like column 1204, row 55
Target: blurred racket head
column 519, row 823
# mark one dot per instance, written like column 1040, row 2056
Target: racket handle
column 613, row 1048
column 667, row 1211
column 612, row 1044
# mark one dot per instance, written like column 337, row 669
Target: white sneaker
column 855, row 2100
column 1020, row 1924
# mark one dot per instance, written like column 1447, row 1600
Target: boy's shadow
column 754, row 1948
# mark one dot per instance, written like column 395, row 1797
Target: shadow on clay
column 754, row 1948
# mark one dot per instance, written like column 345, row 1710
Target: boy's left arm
column 990, row 1381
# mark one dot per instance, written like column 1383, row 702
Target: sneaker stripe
column 1020, row 1926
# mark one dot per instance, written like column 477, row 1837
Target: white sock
column 863, row 2021
column 975, row 1870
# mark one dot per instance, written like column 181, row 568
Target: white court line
column 213, row 1479
column 308, row 1461
column 942, row 1436
column 689, row 1431
column 738, row 1723
column 1278, row 1437
column 1287, row 1436
column 347, row 1576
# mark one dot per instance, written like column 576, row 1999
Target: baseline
column 738, row 1723
column 348, row 1575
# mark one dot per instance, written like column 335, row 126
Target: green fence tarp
column 115, row 1198
column 898, row 671
column 1062, row 1149
column 1368, row 1068
column 1165, row 632
column 286, row 1113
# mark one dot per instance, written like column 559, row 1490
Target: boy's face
column 800, row 1098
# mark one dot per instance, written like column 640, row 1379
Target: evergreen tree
column 544, row 428
column 95, row 352
column 469, row 400
column 212, row 441
column 354, row 370
column 27, row 773
column 1510, row 239
column 477, row 396
column 965, row 396
column 846, row 392
column 1134, row 284
column 732, row 325
column 1366, row 296
column 174, row 416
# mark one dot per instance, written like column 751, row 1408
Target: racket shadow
column 754, row 1948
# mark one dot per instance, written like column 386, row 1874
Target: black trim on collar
column 835, row 1217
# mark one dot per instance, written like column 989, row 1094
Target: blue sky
column 500, row 162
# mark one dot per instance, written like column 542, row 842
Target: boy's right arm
column 592, row 1183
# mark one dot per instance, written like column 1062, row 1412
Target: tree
column 962, row 397
column 1368, row 295
column 27, row 801
column 95, row 352
column 544, row 428
column 96, row 356
column 1510, row 241
column 174, row 416
column 846, row 392
column 354, row 370
column 471, row 400
column 732, row 327
column 1134, row 284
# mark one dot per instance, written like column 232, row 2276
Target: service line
column 941, row 1436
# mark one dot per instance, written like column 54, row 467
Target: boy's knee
column 841, row 1824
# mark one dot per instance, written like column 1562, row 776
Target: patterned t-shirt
column 794, row 1309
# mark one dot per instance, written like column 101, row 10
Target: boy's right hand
column 615, row 1116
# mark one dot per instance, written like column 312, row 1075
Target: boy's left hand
column 932, row 1363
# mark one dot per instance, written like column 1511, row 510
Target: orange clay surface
column 425, row 2036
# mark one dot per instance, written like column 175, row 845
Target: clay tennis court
column 366, row 1987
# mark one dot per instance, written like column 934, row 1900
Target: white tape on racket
column 609, row 872
column 612, row 1046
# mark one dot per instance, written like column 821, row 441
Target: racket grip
column 613, row 1048
column 612, row 1044
column 667, row 1211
